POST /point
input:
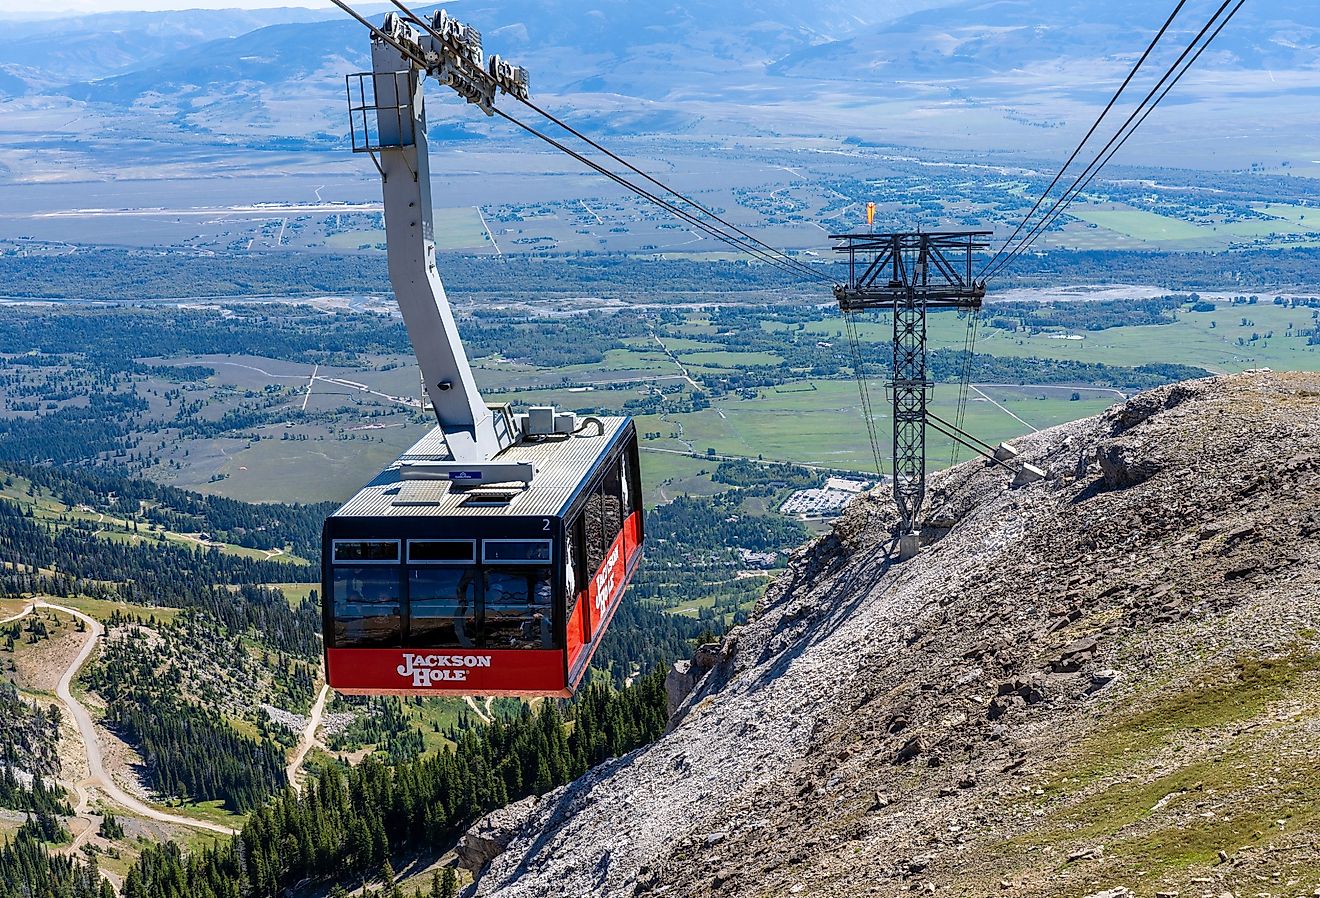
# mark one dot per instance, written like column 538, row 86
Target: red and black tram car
column 431, row 586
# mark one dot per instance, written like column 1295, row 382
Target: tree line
column 169, row 701
column 1089, row 315
column 264, row 526
column 145, row 572
column 348, row 823
column 72, row 433
column 136, row 275
column 191, row 753
column 111, row 339
column 27, row 870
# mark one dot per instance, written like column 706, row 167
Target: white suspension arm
column 473, row 432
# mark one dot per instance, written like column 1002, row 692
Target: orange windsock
column 870, row 214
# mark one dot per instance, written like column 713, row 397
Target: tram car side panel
column 603, row 541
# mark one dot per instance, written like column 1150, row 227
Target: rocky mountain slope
column 1105, row 683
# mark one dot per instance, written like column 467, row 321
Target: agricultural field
column 40, row 504
column 499, row 199
column 1230, row 338
column 769, row 383
column 1126, row 227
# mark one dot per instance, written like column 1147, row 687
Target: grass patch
column 728, row 359
column 1239, row 694
column 295, row 593
column 459, row 228
column 313, row 471
column 103, row 609
column 1158, row 818
column 1145, row 226
column 433, row 717
column 1158, row 803
column 1198, row 840
column 210, row 811
column 1253, row 684
column 665, row 475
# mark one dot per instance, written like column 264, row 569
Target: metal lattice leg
column 910, row 389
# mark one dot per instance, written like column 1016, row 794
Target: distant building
column 846, row 485
column 758, row 559
column 820, row 505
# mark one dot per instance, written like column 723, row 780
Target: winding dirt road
column 482, row 715
column 96, row 772
column 22, row 614
column 308, row 739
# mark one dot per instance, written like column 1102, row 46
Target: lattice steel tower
column 907, row 275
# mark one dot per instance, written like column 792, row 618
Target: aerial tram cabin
column 433, row 586
column 490, row 557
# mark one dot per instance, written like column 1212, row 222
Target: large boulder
column 490, row 835
column 684, row 676
column 1122, row 467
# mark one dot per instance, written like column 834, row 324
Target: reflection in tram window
column 516, row 551
column 572, row 561
column 518, row 610
column 442, row 607
column 371, row 551
column 593, row 523
column 367, row 607
column 625, row 478
column 612, row 487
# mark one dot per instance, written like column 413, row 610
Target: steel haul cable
column 779, row 253
column 1094, row 127
column 664, row 204
column 1139, row 115
column 863, row 391
column 965, row 382
column 1146, row 114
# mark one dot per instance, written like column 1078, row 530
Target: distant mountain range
column 706, row 66
column 51, row 53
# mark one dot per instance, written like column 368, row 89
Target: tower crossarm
column 936, row 265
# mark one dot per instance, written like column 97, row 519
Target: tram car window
column 442, row 607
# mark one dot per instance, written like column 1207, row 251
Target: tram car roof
column 563, row 465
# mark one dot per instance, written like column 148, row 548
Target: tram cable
column 1109, row 152
column 1139, row 115
column 1113, row 101
column 864, row 391
column 691, row 202
column 739, row 239
column 708, row 228
column 965, row 379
